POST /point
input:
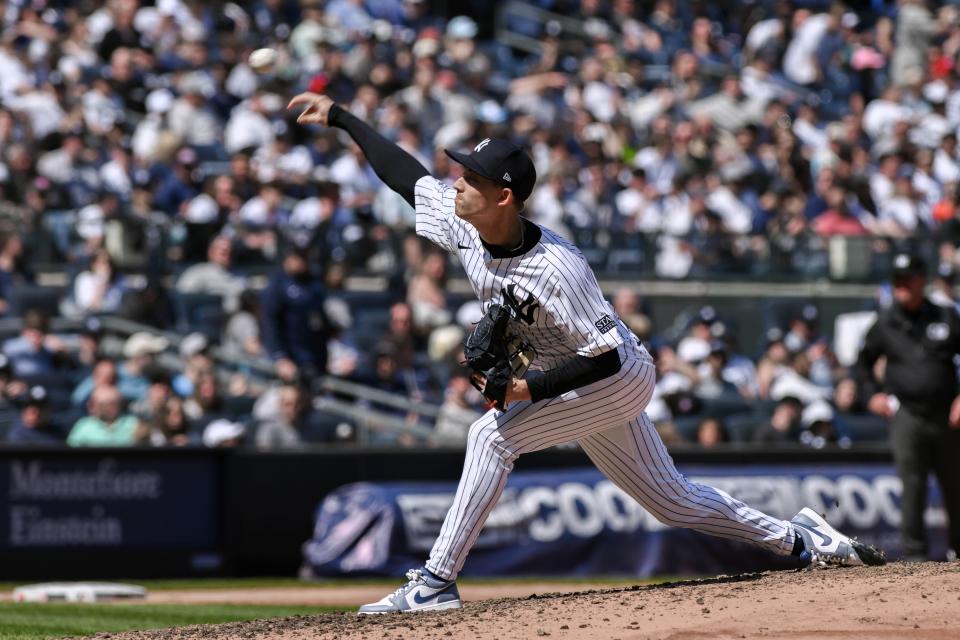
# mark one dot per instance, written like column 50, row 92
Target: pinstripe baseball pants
column 606, row 418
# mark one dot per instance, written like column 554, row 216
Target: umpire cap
column 906, row 265
column 502, row 162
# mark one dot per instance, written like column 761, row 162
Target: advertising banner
column 577, row 522
column 103, row 502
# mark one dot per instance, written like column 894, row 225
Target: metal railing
column 509, row 12
column 330, row 390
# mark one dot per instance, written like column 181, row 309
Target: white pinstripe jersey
column 556, row 303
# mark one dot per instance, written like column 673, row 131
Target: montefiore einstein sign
column 32, row 481
column 106, row 501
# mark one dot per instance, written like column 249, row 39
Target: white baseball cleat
column 825, row 545
column 423, row 592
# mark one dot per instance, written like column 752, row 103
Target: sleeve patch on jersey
column 605, row 323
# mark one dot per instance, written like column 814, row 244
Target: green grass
column 33, row 621
column 30, row 621
column 266, row 583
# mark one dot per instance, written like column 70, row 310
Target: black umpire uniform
column 919, row 340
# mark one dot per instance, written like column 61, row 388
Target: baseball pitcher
column 556, row 363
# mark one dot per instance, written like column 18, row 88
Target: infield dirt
column 916, row 601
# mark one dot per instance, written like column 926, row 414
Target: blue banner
column 577, row 522
column 131, row 502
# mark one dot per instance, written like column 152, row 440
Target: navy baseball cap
column 37, row 395
column 502, row 162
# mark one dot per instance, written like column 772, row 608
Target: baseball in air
column 262, row 60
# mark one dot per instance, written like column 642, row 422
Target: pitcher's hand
column 317, row 107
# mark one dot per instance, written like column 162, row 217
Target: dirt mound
column 919, row 601
column 354, row 596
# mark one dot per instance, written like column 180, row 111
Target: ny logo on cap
column 482, row 144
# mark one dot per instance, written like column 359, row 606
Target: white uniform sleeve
column 436, row 220
column 580, row 308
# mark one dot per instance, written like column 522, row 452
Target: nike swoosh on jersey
column 462, row 246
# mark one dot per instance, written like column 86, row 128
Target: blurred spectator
column 221, row 434
column 166, row 427
column 695, row 347
column 801, row 329
column 205, row 405
column 88, row 350
column 626, row 302
column 711, row 432
column 388, row 373
column 784, row 425
column 283, row 429
column 915, row 27
column 772, row 361
column 34, row 425
column 457, row 412
column 197, row 363
column 35, row 351
column 794, row 381
column 107, row 425
column 343, row 356
column 214, row 276
column 241, row 335
column 11, row 389
column 295, row 326
column 14, row 271
column 100, row 288
column 846, row 398
column 150, row 305
column 91, row 226
column 103, row 374
column 176, row 187
column 147, row 407
column 838, row 219
column 943, row 293
column 256, row 224
column 817, row 420
column 425, row 293
column 400, row 334
column 192, row 117
column 139, row 352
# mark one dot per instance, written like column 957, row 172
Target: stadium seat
column 862, row 427
column 322, row 427
column 687, row 426
column 8, row 417
column 628, row 253
column 201, row 312
column 740, row 426
column 369, row 326
column 239, row 408
column 724, row 405
column 46, row 299
column 596, row 256
column 64, row 420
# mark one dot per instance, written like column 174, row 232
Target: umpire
column 919, row 395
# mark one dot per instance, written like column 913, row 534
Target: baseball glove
column 496, row 355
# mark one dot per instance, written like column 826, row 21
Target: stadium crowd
column 144, row 158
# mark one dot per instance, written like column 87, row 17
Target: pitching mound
column 917, row 601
